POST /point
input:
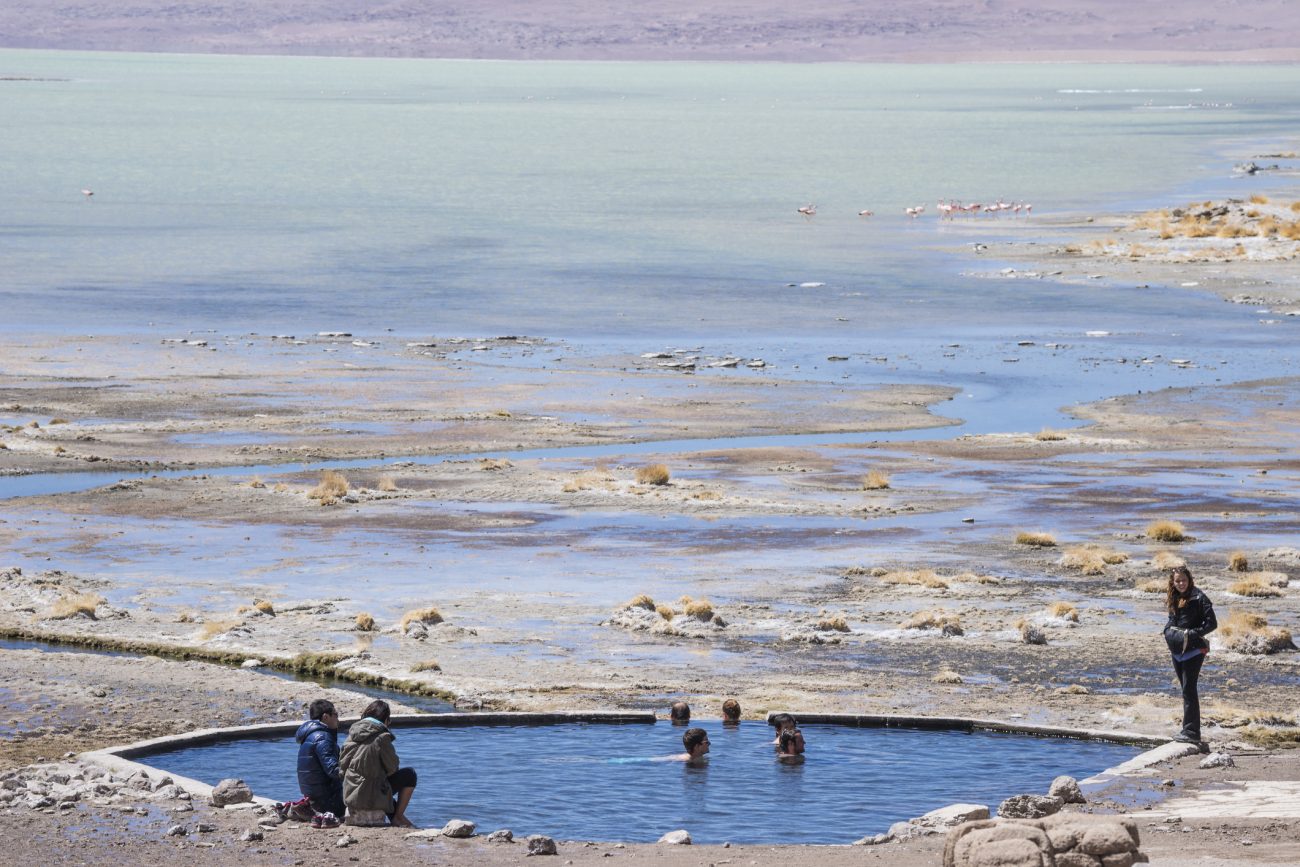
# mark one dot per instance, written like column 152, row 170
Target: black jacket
column 318, row 760
column 1187, row 626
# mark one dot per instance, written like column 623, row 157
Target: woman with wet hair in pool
column 372, row 778
column 790, row 745
column 1191, row 618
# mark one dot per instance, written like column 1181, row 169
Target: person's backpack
column 296, row 811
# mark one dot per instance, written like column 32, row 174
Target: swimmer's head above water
column 696, row 742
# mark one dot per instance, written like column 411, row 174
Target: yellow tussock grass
column 280, row 487
column 1166, row 531
column 264, row 606
column 420, row 615
column 875, row 480
column 1036, row 540
column 652, row 474
column 1254, row 587
column 386, row 484
column 1246, row 632
column 1258, row 199
column 945, row 622
column 213, row 628
column 915, row 577
column 641, row 601
column 364, row 622
column 185, row 617
column 1073, row 689
column 494, row 464
column 833, row 623
column 74, row 605
column 947, row 676
column 706, row 495
column 426, row 665
column 333, row 485
column 1064, row 610
column 1237, row 562
column 1155, row 585
column 856, row 572
column 55, row 421
column 257, row 482
column 1166, row 560
column 1048, row 435
column 1272, row 738
column 700, row 609
column 665, row 611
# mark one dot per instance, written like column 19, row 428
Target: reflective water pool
column 603, row 782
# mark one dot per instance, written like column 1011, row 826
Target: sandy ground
column 829, row 30
column 532, row 558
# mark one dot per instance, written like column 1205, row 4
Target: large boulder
column 540, row 844
column 1062, row 840
column 231, row 791
column 1067, row 789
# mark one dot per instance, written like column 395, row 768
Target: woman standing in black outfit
column 1191, row 618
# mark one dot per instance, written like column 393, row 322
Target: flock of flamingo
column 948, row 209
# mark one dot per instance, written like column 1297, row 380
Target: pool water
column 601, row 782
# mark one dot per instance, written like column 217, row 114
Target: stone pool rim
column 122, row 758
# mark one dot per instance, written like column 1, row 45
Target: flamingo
column 915, row 212
column 808, row 211
column 866, row 213
column 87, row 193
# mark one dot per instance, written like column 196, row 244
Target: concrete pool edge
column 122, row 759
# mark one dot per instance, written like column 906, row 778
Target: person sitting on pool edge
column 680, row 713
column 782, row 722
column 790, row 744
column 696, row 742
column 730, row 712
column 319, row 778
column 372, row 779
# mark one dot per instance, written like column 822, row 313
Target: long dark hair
column 1173, row 599
column 377, row 709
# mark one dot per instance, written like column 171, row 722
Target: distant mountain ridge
column 818, row 30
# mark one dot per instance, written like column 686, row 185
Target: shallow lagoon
column 599, row 782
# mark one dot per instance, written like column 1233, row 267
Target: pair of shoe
column 1185, row 738
column 324, row 820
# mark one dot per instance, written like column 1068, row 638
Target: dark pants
column 329, row 803
column 1188, row 672
column 403, row 778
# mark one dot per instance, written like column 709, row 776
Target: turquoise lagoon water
column 580, row 200
column 598, row 782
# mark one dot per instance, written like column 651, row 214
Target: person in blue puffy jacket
column 319, row 776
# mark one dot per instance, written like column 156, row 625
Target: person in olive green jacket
column 372, row 779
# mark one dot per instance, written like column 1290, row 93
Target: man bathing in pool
column 696, row 742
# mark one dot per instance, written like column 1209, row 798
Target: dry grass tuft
column 280, row 487
column 1048, row 435
column 587, row 479
column 915, row 577
column 652, row 474
column 213, row 628
column 1166, row 531
column 1064, row 610
column 1091, row 559
column 1167, row 560
column 264, row 606
column 1272, row 738
column 1030, row 633
column 947, row 676
column 665, row 611
column 875, row 480
column 494, row 464
column 420, row 615
column 257, row 482
column 386, row 484
column 856, row 572
column 944, row 621
column 1036, row 540
column 641, row 601
column 333, row 485
column 1253, row 586
column 425, row 665
column 1155, row 585
column 1073, row 689
column 706, row 495
column 1258, row 199
column 185, row 617
column 1237, row 562
column 74, row 605
column 1245, row 632
column 833, row 623
column 55, row 421
column 700, row 609
column 364, row 622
